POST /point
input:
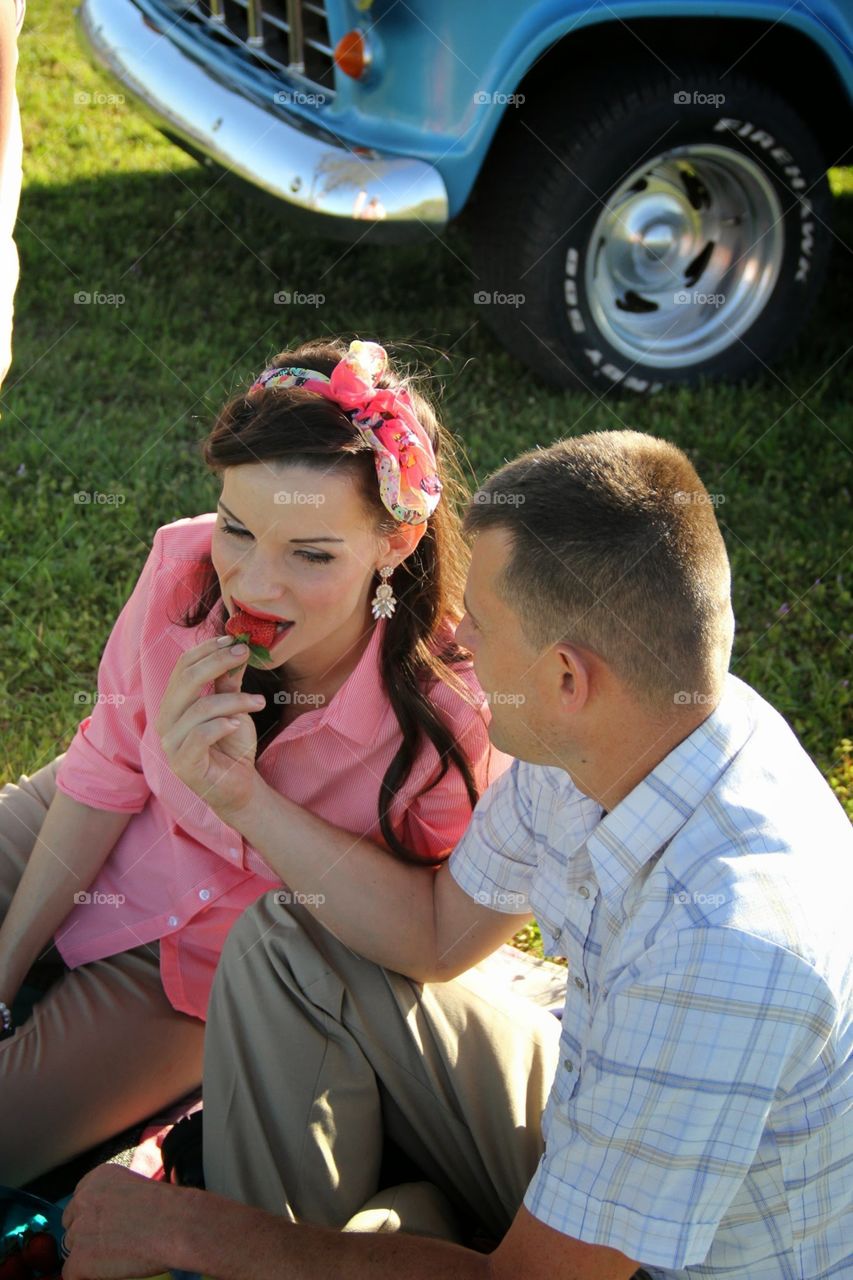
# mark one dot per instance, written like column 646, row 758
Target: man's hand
column 118, row 1225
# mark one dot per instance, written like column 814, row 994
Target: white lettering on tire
column 793, row 175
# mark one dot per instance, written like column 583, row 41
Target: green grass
column 116, row 398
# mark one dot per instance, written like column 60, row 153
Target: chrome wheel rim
column 685, row 255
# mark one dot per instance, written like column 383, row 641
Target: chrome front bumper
column 319, row 178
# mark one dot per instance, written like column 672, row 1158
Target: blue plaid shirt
column 701, row 1116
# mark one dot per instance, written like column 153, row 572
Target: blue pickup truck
column 644, row 182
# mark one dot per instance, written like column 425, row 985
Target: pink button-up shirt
column 179, row 874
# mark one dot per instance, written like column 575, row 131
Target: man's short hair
column 616, row 549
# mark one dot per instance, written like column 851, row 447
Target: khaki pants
column 102, row 1050
column 313, row 1054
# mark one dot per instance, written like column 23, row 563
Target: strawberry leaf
column 258, row 655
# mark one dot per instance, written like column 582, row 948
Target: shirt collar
column 651, row 814
column 358, row 707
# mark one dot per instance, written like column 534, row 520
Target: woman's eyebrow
column 229, row 513
column 240, row 522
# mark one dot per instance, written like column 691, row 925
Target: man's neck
column 610, row 770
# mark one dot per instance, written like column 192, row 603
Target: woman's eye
column 230, row 528
column 316, row 557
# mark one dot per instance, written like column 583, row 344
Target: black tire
column 560, row 161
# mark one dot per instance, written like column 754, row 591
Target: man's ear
column 575, row 677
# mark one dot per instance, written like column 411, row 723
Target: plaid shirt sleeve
column 495, row 860
column 649, row 1136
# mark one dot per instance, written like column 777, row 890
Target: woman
column 368, row 715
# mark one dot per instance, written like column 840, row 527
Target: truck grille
column 290, row 37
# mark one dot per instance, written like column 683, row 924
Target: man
column 676, row 845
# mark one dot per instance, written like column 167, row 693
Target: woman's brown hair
column 292, row 426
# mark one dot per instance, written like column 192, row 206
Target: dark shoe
column 182, row 1152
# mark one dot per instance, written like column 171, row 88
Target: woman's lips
column 281, row 625
column 258, row 613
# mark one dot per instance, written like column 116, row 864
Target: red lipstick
column 258, row 613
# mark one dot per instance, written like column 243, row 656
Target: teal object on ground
column 21, row 1213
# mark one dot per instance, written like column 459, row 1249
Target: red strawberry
column 255, row 631
column 40, row 1252
column 258, row 633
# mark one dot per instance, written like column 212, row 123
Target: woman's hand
column 120, row 1224
column 210, row 742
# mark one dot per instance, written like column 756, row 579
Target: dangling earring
column 384, row 602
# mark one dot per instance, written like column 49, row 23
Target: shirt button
column 569, row 1065
column 234, row 853
column 172, row 921
column 204, row 894
column 583, row 891
column 555, row 934
column 580, row 984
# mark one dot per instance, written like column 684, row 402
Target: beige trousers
column 102, row 1050
column 313, row 1054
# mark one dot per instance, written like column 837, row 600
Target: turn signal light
column 352, row 54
